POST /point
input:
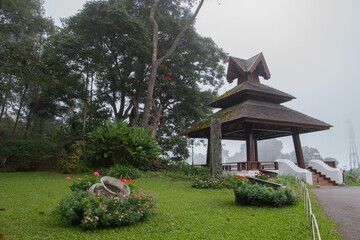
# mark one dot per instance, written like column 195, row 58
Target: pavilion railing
column 310, row 217
column 257, row 166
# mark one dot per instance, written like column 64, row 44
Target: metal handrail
column 310, row 217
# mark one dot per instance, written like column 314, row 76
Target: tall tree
column 155, row 60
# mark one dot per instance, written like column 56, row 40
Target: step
column 323, row 180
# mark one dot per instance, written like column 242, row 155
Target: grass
column 184, row 213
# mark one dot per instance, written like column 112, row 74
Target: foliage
column 125, row 172
column 92, row 211
column 117, row 143
column 83, row 184
column 74, row 162
column 224, row 181
column 255, row 194
column 352, row 178
column 26, row 153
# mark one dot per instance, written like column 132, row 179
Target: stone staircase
column 324, row 181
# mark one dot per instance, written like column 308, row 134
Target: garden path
column 342, row 204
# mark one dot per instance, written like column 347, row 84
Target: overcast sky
column 312, row 48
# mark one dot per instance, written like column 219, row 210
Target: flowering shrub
column 262, row 176
column 83, row 184
column 92, row 211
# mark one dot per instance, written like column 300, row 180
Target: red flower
column 48, row 85
column 132, row 182
column 41, row 96
column 168, row 78
column 160, row 65
column 122, row 180
column 129, row 180
column 227, row 53
column 163, row 75
column 239, row 176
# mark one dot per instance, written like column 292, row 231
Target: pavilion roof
column 250, row 90
column 270, row 120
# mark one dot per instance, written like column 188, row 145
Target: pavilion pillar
column 250, row 144
column 256, row 150
column 298, row 149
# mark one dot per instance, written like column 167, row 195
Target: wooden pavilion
column 252, row 111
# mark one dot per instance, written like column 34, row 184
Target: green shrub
column 74, row 161
column 116, row 143
column 223, row 181
column 188, row 170
column 92, row 211
column 27, row 154
column 83, row 184
column 125, row 172
column 261, row 195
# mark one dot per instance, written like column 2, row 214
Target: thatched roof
column 271, row 120
column 250, row 90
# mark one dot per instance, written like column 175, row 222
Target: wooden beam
column 298, row 149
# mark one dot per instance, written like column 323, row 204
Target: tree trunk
column 156, row 119
column 19, row 112
column 3, row 107
column 155, row 62
column 29, row 120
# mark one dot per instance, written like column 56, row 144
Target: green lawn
column 184, row 213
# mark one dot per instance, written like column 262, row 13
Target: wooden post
column 250, row 148
column 298, row 149
column 256, row 151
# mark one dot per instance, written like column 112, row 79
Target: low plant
column 255, row 194
column 223, row 181
column 189, row 170
column 91, row 211
column 125, row 172
column 263, row 176
column 83, row 184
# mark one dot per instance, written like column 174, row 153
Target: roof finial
column 247, row 70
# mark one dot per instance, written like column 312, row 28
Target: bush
column 83, row 184
column 116, row 143
column 74, row 162
column 188, row 170
column 27, row 154
column 125, row 172
column 261, row 195
column 224, row 181
column 92, row 211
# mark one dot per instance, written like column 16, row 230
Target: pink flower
column 78, row 179
column 68, row 178
column 96, row 174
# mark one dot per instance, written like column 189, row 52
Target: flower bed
column 91, row 211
